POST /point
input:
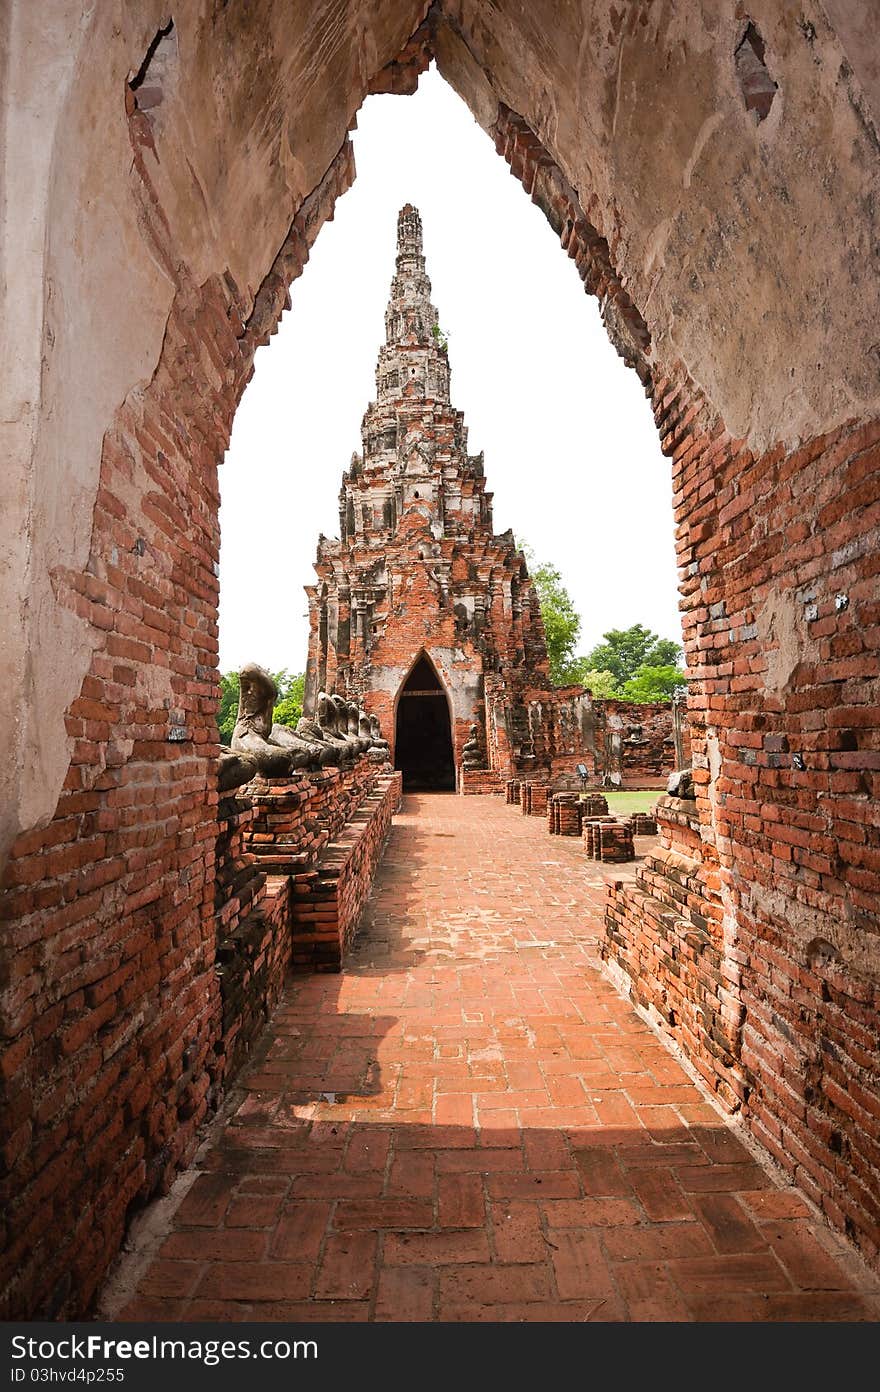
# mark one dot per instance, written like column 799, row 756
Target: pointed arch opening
column 423, row 748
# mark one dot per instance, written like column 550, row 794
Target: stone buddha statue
column 328, row 723
column 273, row 749
column 379, row 744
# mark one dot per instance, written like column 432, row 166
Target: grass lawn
column 639, row 800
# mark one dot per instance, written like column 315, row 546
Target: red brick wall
column 784, row 720
column 327, row 901
column 110, row 1006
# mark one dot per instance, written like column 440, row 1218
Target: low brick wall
column 480, row 781
column 327, row 901
column 667, row 952
column 275, row 837
column 252, row 915
column 295, row 817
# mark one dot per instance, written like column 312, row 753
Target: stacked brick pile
column 594, row 805
column 643, row 824
column 511, row 791
column 564, row 814
column 327, row 900
column 607, row 839
column 533, row 799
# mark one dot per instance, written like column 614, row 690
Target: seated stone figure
column 309, row 730
column 327, row 720
column 234, row 770
column 340, row 708
column 354, row 727
column 256, row 737
column 472, row 756
column 379, row 744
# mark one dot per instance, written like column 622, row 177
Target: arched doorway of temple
column 423, row 732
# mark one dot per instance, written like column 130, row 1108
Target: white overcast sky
column 572, row 455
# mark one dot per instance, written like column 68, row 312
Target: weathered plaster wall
column 256, row 103
column 706, row 212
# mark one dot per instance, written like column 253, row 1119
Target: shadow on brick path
column 470, row 1123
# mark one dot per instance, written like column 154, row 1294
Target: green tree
column 291, row 689
column 601, row 684
column 625, row 650
column 561, row 621
column 653, row 683
column 229, row 693
column 288, row 707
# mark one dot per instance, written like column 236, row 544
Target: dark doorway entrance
column 423, row 737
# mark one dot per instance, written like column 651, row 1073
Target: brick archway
column 685, row 206
column 423, row 748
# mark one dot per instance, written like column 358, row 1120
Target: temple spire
column 409, row 236
column 410, row 319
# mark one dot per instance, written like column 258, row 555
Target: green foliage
column 653, row 683
column 229, row 693
column 631, row 664
column 600, row 683
column 288, row 708
column 441, row 337
column 625, row 650
column 561, row 621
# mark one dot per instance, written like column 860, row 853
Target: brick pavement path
column 470, row 1123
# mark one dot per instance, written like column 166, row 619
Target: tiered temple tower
column 419, row 611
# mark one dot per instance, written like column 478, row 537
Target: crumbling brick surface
column 111, row 1005
column 778, row 559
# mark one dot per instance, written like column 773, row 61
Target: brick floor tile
column 370, row 1214
column 592, row 1213
column 412, row 1175
column 406, row 1293
column 482, row 1159
column 807, row 1262
column 757, row 1272
column 658, row 1192
column 368, row 1149
column 300, row 1231
column 226, row 1244
column 460, row 1201
column 534, row 1184
column 517, row 1235
column 170, row 1279
column 727, row 1223
column 347, row 1269
column 436, row 1249
column 255, row 1282
column 495, row 1284
column 716, row 1179
column 207, row 1200
column 254, row 1211
column 580, row 1266
column 659, row 1242
column 601, row 1175
column 775, row 1203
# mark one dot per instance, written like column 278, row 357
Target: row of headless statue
column 338, row 733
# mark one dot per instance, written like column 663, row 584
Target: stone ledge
column 328, row 900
